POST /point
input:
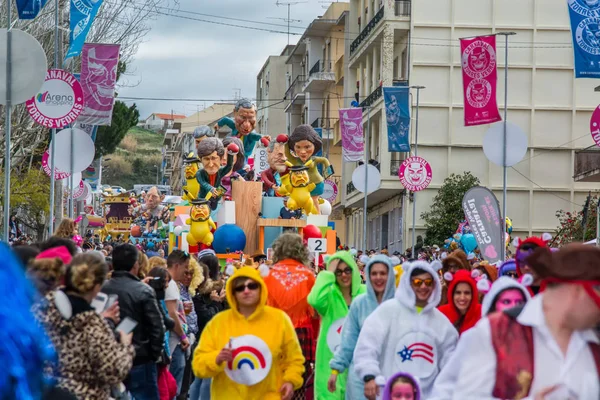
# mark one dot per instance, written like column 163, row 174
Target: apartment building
column 392, row 41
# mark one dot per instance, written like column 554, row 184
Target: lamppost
column 157, row 169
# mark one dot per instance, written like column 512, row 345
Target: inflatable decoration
column 272, row 178
column 468, row 243
column 211, row 152
column 200, row 223
column 302, row 145
column 311, row 232
column 192, row 187
column 242, row 126
column 325, row 207
column 151, row 211
column 299, row 190
column 229, row 238
column 238, row 164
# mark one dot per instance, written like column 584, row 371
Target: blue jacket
column 362, row 306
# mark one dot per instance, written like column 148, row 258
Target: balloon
column 325, row 208
column 136, row 231
column 178, row 230
column 468, row 242
column 311, row 232
column 509, row 226
column 229, row 238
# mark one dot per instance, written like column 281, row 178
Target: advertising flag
column 397, row 115
column 98, row 78
column 83, row 13
column 482, row 212
column 29, row 9
column 480, row 76
column 585, row 29
column 353, row 142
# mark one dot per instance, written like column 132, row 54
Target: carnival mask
column 478, row 92
column 211, row 163
column 478, row 59
column 245, row 120
column 100, row 81
column 416, row 173
column 276, row 158
column 200, row 212
column 299, row 178
column 152, row 198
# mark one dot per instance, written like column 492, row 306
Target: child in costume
column 334, row 291
column 402, row 386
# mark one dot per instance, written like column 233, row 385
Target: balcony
column 402, row 8
column 367, row 30
column 394, row 167
column 587, row 165
column 320, row 76
column 295, row 91
column 373, row 97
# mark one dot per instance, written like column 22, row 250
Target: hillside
column 134, row 160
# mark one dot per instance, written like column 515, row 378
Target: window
column 396, row 72
column 384, row 230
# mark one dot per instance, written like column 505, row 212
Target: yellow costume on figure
column 192, row 187
column 298, row 189
column 200, row 224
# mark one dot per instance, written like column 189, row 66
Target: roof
column 206, row 116
column 169, row 116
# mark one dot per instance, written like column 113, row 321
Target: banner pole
column 504, row 144
column 7, row 122
column 414, row 218
column 367, row 145
column 52, row 140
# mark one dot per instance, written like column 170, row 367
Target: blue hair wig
column 24, row 346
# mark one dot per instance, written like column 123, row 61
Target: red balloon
column 311, row 232
column 136, row 231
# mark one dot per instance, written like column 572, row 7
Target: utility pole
column 289, row 4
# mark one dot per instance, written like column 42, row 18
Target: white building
column 159, row 121
column 418, row 41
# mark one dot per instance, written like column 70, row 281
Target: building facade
column 417, row 41
column 161, row 122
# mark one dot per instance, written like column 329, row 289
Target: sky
column 189, row 59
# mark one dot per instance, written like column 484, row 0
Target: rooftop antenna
column 288, row 22
column 289, row 4
column 237, row 93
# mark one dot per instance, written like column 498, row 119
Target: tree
column 570, row 228
column 446, row 211
column 109, row 137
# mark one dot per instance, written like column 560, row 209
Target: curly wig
column 290, row 246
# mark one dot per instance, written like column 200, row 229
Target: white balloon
column 83, row 146
column 325, row 208
column 178, row 230
column 516, row 144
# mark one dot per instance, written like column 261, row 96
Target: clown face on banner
column 415, row 174
column 479, row 93
column 479, row 59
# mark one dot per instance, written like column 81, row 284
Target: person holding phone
column 90, row 359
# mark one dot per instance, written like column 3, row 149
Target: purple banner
column 98, row 78
column 482, row 212
column 353, row 143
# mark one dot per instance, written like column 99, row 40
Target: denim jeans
column 200, row 389
column 177, row 367
column 142, row 382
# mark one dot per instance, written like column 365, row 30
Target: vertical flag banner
column 29, row 9
column 480, row 76
column 482, row 212
column 98, row 78
column 397, row 115
column 585, row 29
column 353, row 142
column 83, row 13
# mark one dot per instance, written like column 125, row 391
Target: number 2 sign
column 317, row 245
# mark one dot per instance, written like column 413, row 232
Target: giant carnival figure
column 192, row 187
column 239, row 160
column 211, row 152
column 202, row 132
column 242, row 126
column 151, row 211
column 301, row 148
column 201, row 225
column 273, row 176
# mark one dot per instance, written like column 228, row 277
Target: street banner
column 585, row 30
column 595, row 126
column 82, row 14
column 415, row 174
column 98, row 78
column 397, row 115
column 58, row 174
column 330, row 190
column 59, row 101
column 353, row 142
column 482, row 212
column 29, row 9
column 480, row 76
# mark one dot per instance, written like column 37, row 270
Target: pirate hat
column 199, row 202
column 191, row 158
column 575, row 261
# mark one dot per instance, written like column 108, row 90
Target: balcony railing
column 367, row 30
column 394, row 167
column 377, row 93
column 295, row 87
column 320, row 66
column 402, row 8
column 350, row 188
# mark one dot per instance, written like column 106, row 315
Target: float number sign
column 317, row 245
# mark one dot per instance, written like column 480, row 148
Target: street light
column 156, row 166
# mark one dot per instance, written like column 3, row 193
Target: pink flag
column 353, row 143
column 480, row 76
column 98, row 77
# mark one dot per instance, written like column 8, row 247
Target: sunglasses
column 250, row 286
column 347, row 271
column 419, row 282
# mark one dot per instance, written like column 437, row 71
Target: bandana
column 587, row 285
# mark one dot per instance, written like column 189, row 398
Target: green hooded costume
column 326, row 297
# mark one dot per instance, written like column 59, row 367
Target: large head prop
column 244, row 115
column 276, row 153
column 239, row 158
column 202, row 132
column 299, row 176
column 304, row 142
column 210, row 152
column 153, row 198
column 200, row 210
column 192, row 164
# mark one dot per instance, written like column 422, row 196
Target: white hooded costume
column 396, row 338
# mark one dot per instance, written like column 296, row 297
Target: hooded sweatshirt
column 473, row 312
column 362, row 306
column 264, row 358
column 387, row 391
column 327, row 299
column 446, row 380
column 398, row 338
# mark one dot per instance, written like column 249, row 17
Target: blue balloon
column 229, row 238
column 468, row 242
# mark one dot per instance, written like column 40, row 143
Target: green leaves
column 109, row 137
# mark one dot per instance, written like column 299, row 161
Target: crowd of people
column 356, row 326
